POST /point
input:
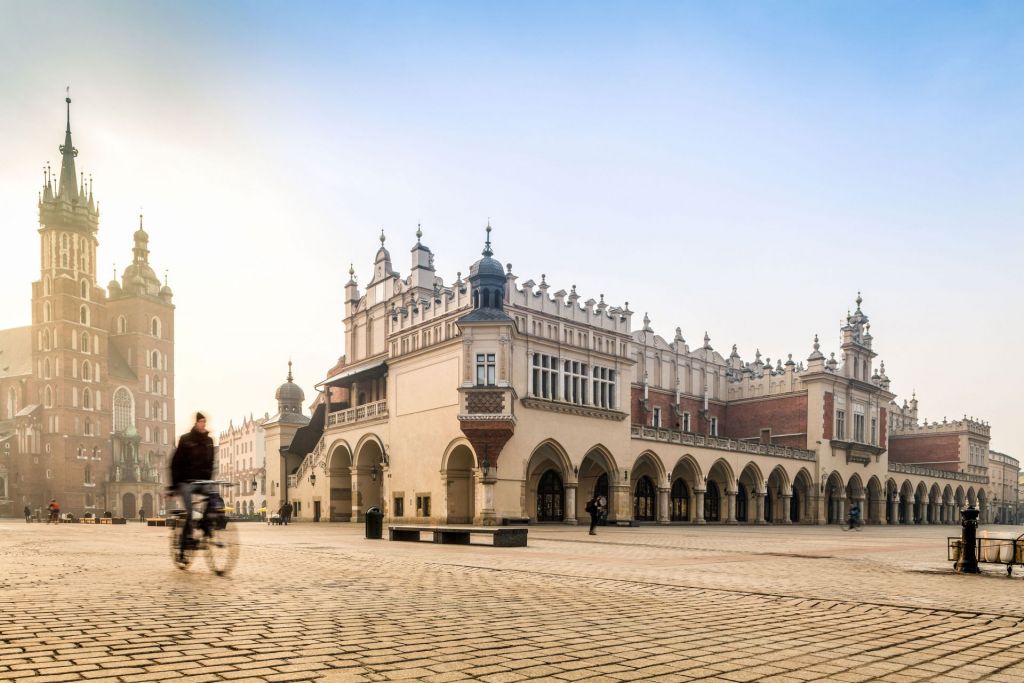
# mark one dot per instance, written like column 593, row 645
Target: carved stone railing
column 673, row 436
column 367, row 411
column 906, row 468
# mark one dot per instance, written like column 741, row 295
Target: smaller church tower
column 278, row 432
column 856, row 346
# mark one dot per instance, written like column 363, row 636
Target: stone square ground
column 319, row 602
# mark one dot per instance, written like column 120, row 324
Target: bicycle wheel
column 182, row 557
column 222, row 547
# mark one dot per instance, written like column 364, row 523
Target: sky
column 736, row 167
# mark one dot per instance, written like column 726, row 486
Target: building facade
column 487, row 399
column 242, row 460
column 88, row 387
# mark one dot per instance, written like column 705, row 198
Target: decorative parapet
column 955, row 427
column 699, row 440
column 905, row 468
column 368, row 411
column 573, row 409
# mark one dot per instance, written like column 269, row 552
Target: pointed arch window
column 85, row 284
column 46, row 340
column 83, row 315
column 124, row 409
column 48, row 397
column 155, row 327
column 122, row 325
column 85, row 342
column 87, row 399
column 87, row 371
column 46, row 368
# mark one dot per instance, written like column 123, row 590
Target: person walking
column 594, row 510
column 142, row 515
column 54, row 508
column 287, row 515
column 28, row 514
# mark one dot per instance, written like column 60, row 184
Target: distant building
column 87, row 389
column 241, row 459
column 497, row 399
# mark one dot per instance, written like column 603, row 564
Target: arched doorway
column 741, row 502
column 460, row 484
column 645, row 500
column 128, row 507
column 679, row 502
column 873, row 514
column 712, row 502
column 550, row 498
column 556, row 502
column 834, row 499
column 594, row 479
column 147, row 504
column 799, row 504
column 369, row 479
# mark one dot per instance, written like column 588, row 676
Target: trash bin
column 374, row 523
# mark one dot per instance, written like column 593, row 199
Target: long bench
column 502, row 537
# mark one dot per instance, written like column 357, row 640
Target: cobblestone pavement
column 311, row 602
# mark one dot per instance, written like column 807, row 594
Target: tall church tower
column 69, row 338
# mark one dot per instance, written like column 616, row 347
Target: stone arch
column 835, row 499
column 596, row 476
column 959, row 497
column 368, row 489
column 147, row 504
column 875, row 512
column 934, row 499
column 458, row 467
column 749, row 487
column 800, row 510
column 720, row 488
column 982, row 497
column 776, row 486
column 972, row 498
column 685, row 480
column 339, row 481
column 648, row 463
column 547, row 470
column 920, row 503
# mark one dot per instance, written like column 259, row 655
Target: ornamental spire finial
column 382, row 237
column 488, row 252
column 289, row 369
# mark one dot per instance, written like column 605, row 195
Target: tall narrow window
column 714, row 426
column 485, row 374
column 840, row 424
column 858, row 423
column 545, row 376
column 686, row 422
column 656, row 418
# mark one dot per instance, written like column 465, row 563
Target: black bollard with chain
column 968, row 562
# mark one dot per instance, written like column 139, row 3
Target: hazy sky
column 741, row 168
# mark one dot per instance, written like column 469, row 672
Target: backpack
column 590, row 506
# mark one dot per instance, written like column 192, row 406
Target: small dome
column 289, row 392
column 166, row 291
column 487, row 266
column 114, row 286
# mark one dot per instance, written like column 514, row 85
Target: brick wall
column 782, row 415
column 828, row 414
column 941, row 451
column 664, row 400
column 883, row 423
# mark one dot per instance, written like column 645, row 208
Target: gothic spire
column 487, row 252
column 68, row 182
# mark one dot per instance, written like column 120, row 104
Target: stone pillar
column 787, row 503
column 698, row 507
column 570, row 504
column 357, row 498
column 730, row 516
column 759, row 507
column 487, row 516
column 908, row 511
column 894, row 512
column 663, row 516
column 618, row 503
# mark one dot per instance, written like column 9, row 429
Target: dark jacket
column 193, row 458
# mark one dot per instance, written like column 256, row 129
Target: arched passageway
column 368, row 482
column 339, row 482
column 460, row 485
column 550, row 497
column 835, row 499
column 687, row 495
column 546, row 490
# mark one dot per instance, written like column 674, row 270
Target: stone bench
column 502, row 537
column 156, row 521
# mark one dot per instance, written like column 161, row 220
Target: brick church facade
column 87, row 389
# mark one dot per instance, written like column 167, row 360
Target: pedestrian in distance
column 54, row 508
column 142, row 515
column 594, row 510
column 286, row 516
column 28, row 514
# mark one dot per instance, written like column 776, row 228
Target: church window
column 574, row 382
column 155, row 327
column 545, row 376
column 86, row 371
column 83, row 315
column 85, row 285
column 604, row 387
column 47, row 314
column 48, row 397
column 485, row 369
column 88, row 474
column 46, row 368
column 156, row 360
column 122, row 325
column 123, row 409
column 85, row 342
column 87, row 400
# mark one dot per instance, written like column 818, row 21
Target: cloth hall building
column 87, row 388
column 490, row 399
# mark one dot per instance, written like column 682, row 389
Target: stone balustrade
column 673, row 436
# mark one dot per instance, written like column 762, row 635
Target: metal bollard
column 968, row 562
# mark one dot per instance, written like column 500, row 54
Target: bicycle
column 211, row 533
column 857, row 526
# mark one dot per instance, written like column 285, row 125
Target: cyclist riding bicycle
column 193, row 461
column 854, row 517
